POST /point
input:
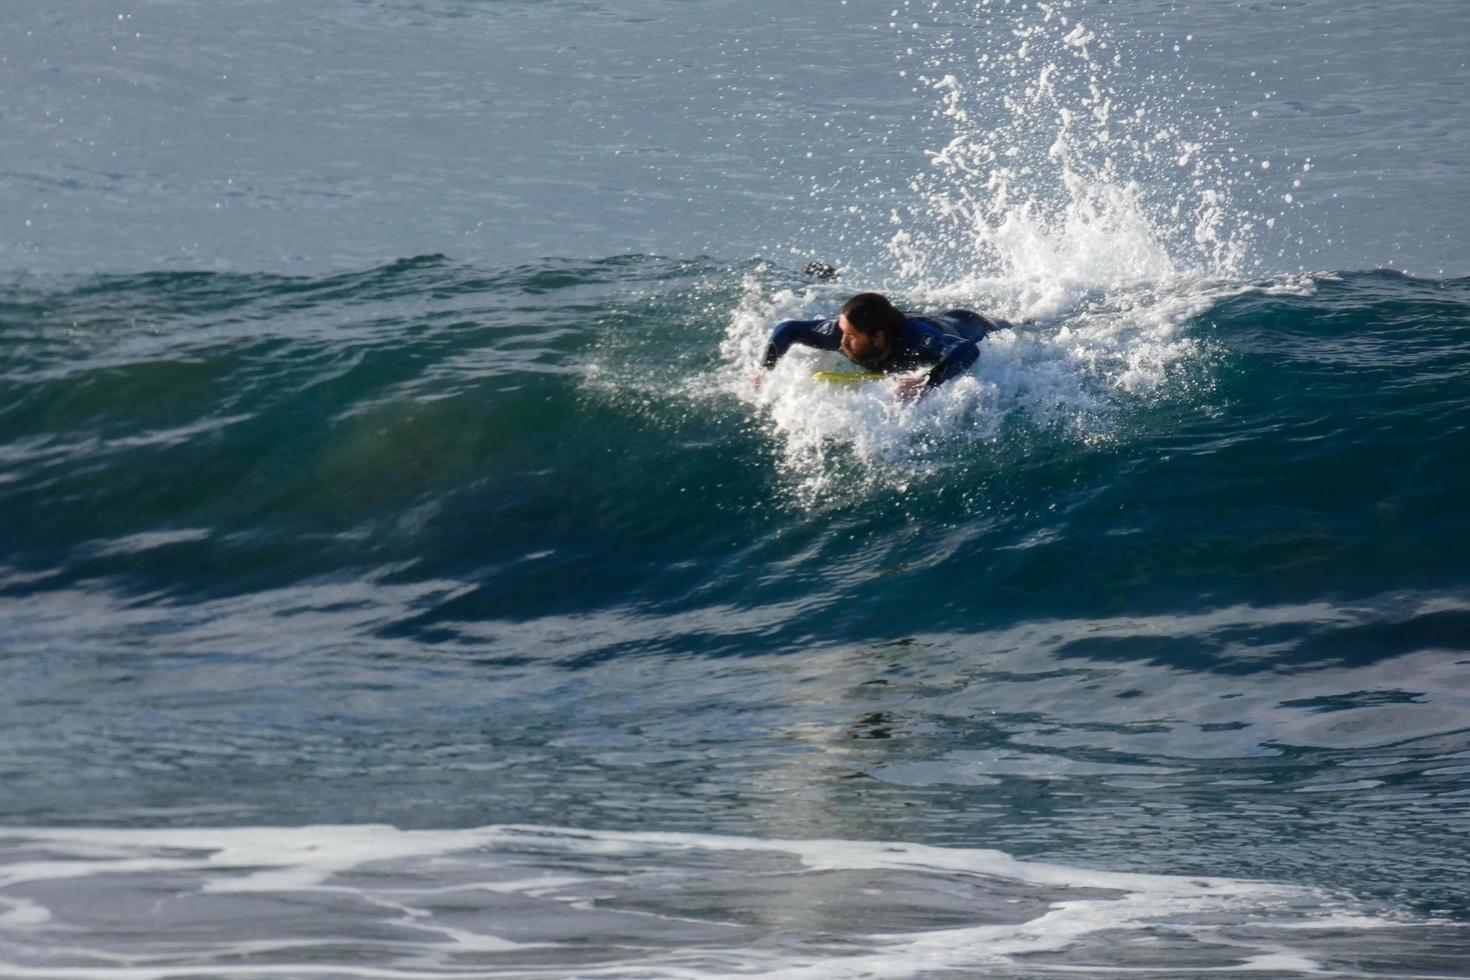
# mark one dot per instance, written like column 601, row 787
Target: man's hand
column 912, row 389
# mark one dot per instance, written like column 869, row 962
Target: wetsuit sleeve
column 956, row 360
column 822, row 334
column 952, row 355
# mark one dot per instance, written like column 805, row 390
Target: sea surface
column 407, row 571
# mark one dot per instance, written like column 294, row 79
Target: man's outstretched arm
column 821, row 334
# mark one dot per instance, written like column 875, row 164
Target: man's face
column 860, row 348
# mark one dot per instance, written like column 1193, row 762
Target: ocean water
column 407, row 572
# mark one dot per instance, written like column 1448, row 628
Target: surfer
column 873, row 334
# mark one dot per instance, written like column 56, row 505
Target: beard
column 873, row 362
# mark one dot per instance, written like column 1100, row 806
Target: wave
column 1296, row 433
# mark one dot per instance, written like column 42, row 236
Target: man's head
column 869, row 324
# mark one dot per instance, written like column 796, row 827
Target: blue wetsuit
column 950, row 341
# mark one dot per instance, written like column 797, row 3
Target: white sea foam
column 376, row 901
column 1063, row 190
column 1071, row 376
column 1058, row 164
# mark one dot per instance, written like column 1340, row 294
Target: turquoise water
column 379, row 600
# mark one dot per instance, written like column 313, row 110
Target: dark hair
column 871, row 312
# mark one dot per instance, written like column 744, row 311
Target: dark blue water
column 390, row 602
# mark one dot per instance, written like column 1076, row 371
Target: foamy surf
column 522, row 901
column 1072, row 377
column 1065, row 191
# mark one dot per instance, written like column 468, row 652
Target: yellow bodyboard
column 847, row 377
